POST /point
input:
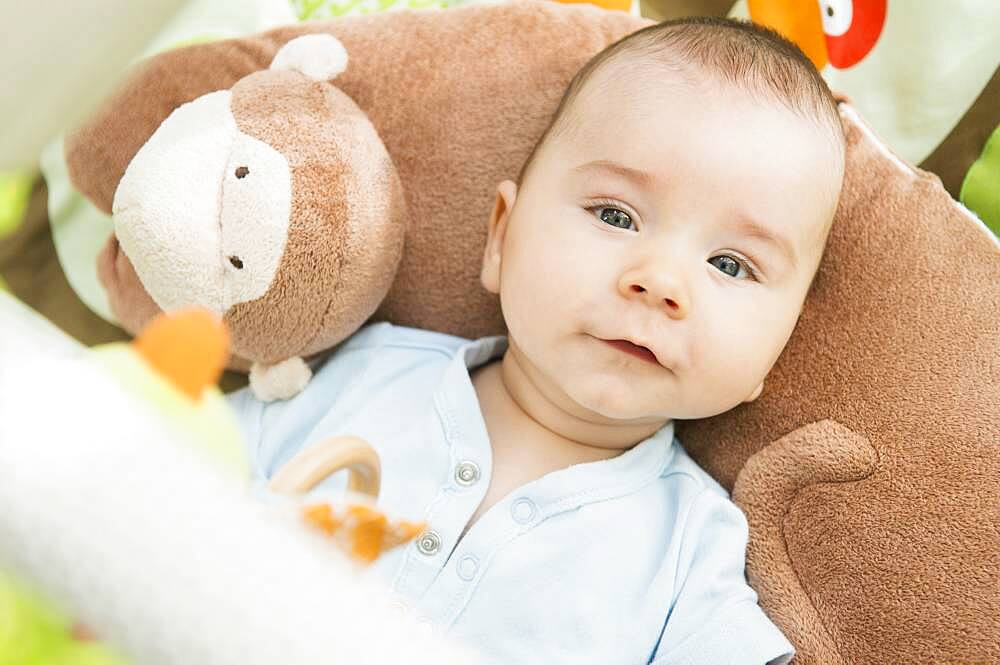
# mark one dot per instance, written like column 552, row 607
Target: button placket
column 523, row 510
column 461, row 491
column 467, row 567
column 467, row 473
column 429, row 543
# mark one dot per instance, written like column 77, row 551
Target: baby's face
column 647, row 225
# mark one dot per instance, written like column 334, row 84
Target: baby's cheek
column 714, row 360
column 537, row 281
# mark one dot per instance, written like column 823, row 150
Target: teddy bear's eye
column 242, row 172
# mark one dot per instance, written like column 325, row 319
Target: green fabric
column 200, row 39
column 15, row 188
column 33, row 632
column 981, row 189
column 319, row 9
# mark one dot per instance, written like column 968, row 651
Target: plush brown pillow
column 868, row 468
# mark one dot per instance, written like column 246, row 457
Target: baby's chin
column 612, row 399
column 626, row 399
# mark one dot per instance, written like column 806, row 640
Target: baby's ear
column 492, row 253
column 756, row 393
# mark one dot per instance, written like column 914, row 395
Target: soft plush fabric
column 867, row 468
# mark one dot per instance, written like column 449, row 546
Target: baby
column 651, row 263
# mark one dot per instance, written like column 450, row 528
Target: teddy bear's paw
column 280, row 381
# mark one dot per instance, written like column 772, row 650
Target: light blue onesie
column 631, row 560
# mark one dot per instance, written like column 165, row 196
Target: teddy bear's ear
column 320, row 56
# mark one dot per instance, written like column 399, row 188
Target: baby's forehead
column 639, row 84
column 643, row 106
column 629, row 87
column 650, row 121
column 703, row 133
column 643, row 88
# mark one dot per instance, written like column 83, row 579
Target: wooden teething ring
column 313, row 464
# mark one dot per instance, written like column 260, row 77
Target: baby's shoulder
column 682, row 471
column 394, row 348
column 382, row 360
column 703, row 509
column 696, row 500
column 385, row 336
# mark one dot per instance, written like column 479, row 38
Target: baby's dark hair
column 745, row 55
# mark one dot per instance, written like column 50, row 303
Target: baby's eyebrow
column 748, row 226
column 643, row 179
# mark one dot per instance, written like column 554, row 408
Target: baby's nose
column 671, row 303
column 674, row 307
column 658, row 288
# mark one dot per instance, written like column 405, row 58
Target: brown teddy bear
column 274, row 204
column 867, row 469
column 303, row 246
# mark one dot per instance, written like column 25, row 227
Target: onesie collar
column 565, row 489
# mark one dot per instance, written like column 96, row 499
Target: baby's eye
column 613, row 217
column 731, row 266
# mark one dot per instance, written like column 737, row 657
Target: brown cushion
column 874, row 515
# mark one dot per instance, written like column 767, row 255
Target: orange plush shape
column 190, row 348
column 362, row 532
column 867, row 468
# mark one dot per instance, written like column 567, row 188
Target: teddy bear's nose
column 237, row 263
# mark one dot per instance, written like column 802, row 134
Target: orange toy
column 620, row 5
column 358, row 528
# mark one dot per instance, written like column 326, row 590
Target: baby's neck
column 530, row 443
column 521, row 421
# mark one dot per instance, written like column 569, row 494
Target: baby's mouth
column 633, row 349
